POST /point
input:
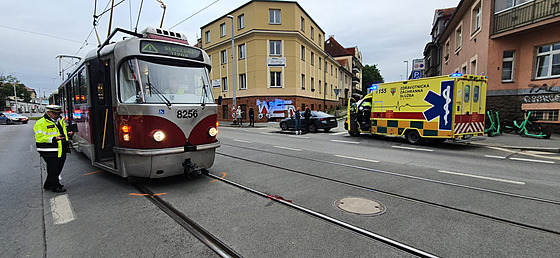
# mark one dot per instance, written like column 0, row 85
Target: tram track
column 434, row 204
column 204, row 236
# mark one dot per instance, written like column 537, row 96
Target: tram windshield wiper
column 205, row 94
column 158, row 93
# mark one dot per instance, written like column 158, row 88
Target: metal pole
column 406, row 75
column 233, row 61
column 15, row 96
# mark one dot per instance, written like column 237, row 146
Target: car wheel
column 25, row 122
column 9, row 122
column 312, row 128
column 414, row 137
column 284, row 126
column 327, row 129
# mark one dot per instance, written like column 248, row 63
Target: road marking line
column 299, row 136
column 411, row 148
column 94, row 172
column 533, row 160
column 339, row 133
column 494, row 157
column 266, row 133
column 370, row 160
column 286, row 148
column 482, row 177
column 242, row 141
column 61, row 209
column 345, row 141
column 216, row 180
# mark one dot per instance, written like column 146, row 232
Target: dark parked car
column 11, row 118
column 318, row 120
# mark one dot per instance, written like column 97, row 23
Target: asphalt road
column 449, row 200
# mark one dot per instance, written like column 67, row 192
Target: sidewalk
column 514, row 141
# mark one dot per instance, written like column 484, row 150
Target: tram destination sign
column 166, row 49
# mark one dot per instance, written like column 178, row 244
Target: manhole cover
column 360, row 206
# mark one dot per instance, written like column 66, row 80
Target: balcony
column 526, row 14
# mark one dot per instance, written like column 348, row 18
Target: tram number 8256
column 187, row 113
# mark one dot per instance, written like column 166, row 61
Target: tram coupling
column 192, row 170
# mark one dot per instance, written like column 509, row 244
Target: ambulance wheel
column 413, row 137
column 354, row 134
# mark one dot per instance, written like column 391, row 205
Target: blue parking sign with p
column 162, row 111
column 416, row 74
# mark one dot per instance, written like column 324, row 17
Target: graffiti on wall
column 536, row 88
column 277, row 108
column 548, row 98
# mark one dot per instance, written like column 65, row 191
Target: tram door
column 102, row 110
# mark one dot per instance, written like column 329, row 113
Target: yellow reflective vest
column 46, row 132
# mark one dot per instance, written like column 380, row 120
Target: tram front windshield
column 141, row 81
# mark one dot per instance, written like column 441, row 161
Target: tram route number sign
column 187, row 113
column 167, row 49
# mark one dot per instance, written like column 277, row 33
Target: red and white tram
column 142, row 106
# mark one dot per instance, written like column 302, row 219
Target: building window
column 312, row 32
column 242, row 51
column 500, row 5
column 458, row 38
column 319, row 86
column 207, row 36
column 223, row 56
column 303, row 53
column 331, row 69
column 508, row 66
column 241, row 21
column 335, row 72
column 242, row 81
column 544, row 115
column 312, row 84
column 274, row 16
column 447, row 51
column 275, row 48
column 476, row 18
column 303, row 81
column 464, row 69
column 224, row 84
column 548, row 61
column 473, row 67
column 319, row 63
column 302, row 24
column 275, row 79
column 312, row 58
column 320, row 42
column 222, row 30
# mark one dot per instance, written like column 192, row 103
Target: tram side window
column 83, row 89
column 76, row 87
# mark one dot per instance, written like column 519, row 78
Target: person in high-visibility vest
column 51, row 139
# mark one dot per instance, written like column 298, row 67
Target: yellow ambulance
column 437, row 108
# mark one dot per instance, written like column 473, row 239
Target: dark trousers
column 252, row 121
column 54, row 167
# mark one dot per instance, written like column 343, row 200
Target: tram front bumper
column 157, row 163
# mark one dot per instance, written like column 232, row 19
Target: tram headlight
column 213, row 131
column 159, row 136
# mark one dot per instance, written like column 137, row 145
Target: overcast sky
column 34, row 32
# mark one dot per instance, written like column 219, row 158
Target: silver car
column 12, row 118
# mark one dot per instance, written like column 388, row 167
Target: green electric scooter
column 495, row 126
column 526, row 128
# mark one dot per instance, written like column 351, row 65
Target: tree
column 370, row 75
column 7, row 89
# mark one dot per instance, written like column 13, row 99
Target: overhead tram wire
column 41, row 34
column 194, row 14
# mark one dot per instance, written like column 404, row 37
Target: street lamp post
column 406, row 75
column 15, row 96
column 233, row 61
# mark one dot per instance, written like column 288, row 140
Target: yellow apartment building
column 279, row 61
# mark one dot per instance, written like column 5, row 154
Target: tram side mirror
column 219, row 100
column 72, row 128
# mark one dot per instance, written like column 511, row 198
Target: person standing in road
column 307, row 116
column 298, row 121
column 251, row 117
column 51, row 139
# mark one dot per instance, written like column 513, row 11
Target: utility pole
column 406, row 75
column 15, row 96
column 233, row 61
